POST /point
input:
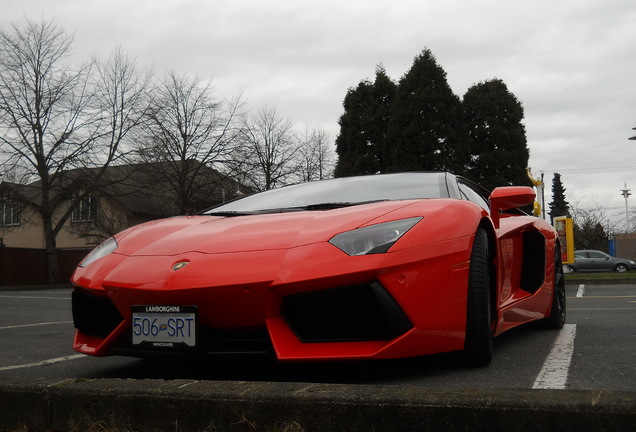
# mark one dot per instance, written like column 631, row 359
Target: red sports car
column 370, row 267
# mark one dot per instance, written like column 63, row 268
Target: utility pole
column 542, row 196
column 625, row 192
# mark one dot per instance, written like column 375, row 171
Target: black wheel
column 556, row 320
column 478, row 344
column 621, row 268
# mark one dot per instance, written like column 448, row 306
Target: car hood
column 215, row 235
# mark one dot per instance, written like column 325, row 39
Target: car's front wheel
column 621, row 268
column 478, row 343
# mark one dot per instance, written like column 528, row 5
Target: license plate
column 160, row 327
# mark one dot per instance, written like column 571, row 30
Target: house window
column 10, row 212
column 85, row 210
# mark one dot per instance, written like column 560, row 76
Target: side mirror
column 509, row 197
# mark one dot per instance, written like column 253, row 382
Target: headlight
column 373, row 239
column 100, row 251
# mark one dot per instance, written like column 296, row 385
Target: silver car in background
column 598, row 261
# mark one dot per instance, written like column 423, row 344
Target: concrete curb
column 188, row 405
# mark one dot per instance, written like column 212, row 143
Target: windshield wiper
column 308, row 207
column 231, row 213
column 330, row 205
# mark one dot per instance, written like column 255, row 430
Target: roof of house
column 142, row 188
column 21, row 191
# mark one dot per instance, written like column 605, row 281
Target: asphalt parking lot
column 594, row 356
column 36, row 334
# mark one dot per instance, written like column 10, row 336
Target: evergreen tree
column 559, row 206
column 589, row 227
column 589, row 235
column 496, row 135
column 426, row 129
column 363, row 126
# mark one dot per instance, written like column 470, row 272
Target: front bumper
column 400, row 304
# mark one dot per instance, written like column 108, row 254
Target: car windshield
column 340, row 192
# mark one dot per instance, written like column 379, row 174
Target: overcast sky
column 571, row 63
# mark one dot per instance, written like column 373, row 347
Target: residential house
column 110, row 201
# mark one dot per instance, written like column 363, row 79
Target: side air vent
column 533, row 269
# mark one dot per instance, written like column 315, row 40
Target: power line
column 599, row 170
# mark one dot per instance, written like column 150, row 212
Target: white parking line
column 581, row 291
column 34, row 325
column 34, row 297
column 554, row 374
column 43, row 362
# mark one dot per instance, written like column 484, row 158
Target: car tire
column 478, row 344
column 556, row 320
column 621, row 268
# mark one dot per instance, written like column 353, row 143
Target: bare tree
column 315, row 157
column 124, row 93
column 188, row 131
column 56, row 121
column 267, row 154
column 591, row 227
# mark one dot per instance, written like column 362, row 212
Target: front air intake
column 94, row 315
column 353, row 313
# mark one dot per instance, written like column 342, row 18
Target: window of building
column 85, row 210
column 10, row 212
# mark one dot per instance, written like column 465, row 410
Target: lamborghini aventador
column 369, row 267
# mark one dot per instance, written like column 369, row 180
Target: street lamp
column 634, row 137
column 625, row 192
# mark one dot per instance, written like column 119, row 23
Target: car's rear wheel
column 556, row 320
column 478, row 343
column 621, row 268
